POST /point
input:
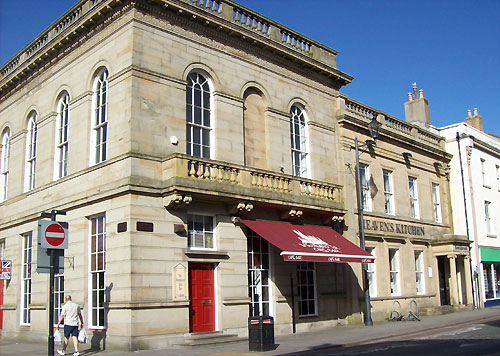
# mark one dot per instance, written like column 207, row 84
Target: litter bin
column 261, row 333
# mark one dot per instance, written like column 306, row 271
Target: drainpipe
column 474, row 299
column 475, row 276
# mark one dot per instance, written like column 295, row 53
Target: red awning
column 308, row 242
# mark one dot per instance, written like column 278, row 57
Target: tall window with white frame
column 371, row 273
column 388, row 192
column 61, row 159
column 414, row 208
column 306, row 277
column 58, row 295
column 259, row 285
column 100, row 117
column 4, row 165
column 436, row 202
column 484, row 173
column 200, row 232
column 366, row 196
column 487, row 218
column 298, row 139
column 198, row 115
column 27, row 259
column 498, row 177
column 97, row 288
column 419, row 272
column 394, row 271
column 31, row 142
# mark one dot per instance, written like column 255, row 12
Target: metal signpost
column 53, row 236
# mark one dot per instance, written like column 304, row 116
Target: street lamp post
column 373, row 127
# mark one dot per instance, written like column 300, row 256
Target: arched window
column 100, row 117
column 4, row 165
column 31, row 141
column 198, row 116
column 298, row 138
column 61, row 158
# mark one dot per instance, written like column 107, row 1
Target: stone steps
column 210, row 338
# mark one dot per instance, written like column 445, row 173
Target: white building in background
column 476, row 158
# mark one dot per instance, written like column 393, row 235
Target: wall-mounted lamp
column 407, row 155
column 437, row 164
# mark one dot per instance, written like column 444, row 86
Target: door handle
column 206, row 301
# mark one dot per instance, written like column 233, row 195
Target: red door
column 201, row 292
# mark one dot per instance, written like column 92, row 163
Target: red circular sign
column 54, row 234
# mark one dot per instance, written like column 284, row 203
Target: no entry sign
column 53, row 234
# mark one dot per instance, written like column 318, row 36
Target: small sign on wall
column 179, row 282
column 430, row 271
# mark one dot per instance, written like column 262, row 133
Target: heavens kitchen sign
column 395, row 228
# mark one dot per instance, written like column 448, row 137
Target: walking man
column 70, row 313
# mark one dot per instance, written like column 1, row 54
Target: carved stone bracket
column 176, row 201
column 241, row 208
column 291, row 214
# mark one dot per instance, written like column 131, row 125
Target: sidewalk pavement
column 337, row 336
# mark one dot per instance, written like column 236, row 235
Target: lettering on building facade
column 396, row 228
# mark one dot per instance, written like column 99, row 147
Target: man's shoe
column 76, row 353
column 60, row 352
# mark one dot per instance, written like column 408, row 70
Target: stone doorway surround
column 456, row 252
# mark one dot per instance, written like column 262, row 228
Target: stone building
column 404, row 177
column 203, row 155
column 475, row 197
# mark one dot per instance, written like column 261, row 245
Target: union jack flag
column 5, row 269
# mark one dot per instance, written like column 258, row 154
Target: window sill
column 493, row 236
column 487, row 186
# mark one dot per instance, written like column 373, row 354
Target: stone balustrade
column 398, row 125
column 230, row 178
column 225, row 9
column 360, row 111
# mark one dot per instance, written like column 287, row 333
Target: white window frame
column 388, row 192
column 436, row 202
column 364, row 179
column 299, row 141
column 490, row 229
column 484, row 173
column 100, row 109
column 306, row 267
column 97, row 274
column 207, row 235
column 498, row 177
column 58, row 295
column 414, row 207
column 259, row 275
column 26, row 273
column 394, row 277
column 4, row 166
column 419, row 272
column 61, row 143
column 199, row 135
column 371, row 271
column 31, row 143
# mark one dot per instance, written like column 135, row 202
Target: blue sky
column 450, row 48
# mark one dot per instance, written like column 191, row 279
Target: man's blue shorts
column 70, row 330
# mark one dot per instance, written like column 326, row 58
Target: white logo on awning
column 315, row 243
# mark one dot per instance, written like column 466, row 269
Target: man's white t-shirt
column 70, row 311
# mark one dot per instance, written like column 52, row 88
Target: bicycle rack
column 413, row 315
column 396, row 314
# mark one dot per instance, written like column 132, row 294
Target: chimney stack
column 417, row 107
column 475, row 121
